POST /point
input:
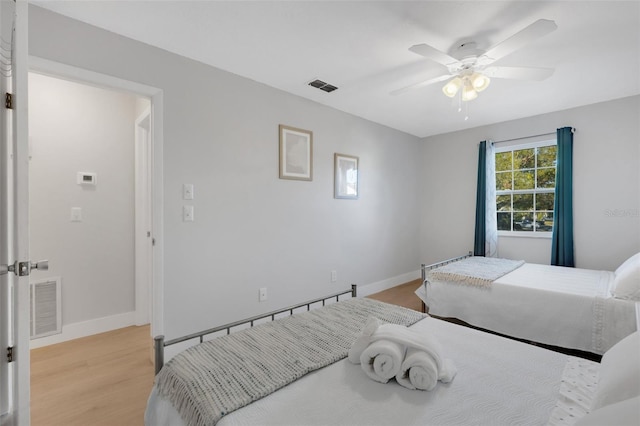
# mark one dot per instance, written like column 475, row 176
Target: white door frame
column 15, row 215
column 143, row 218
column 59, row 70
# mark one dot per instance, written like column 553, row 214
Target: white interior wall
column 77, row 128
column 252, row 229
column 606, row 185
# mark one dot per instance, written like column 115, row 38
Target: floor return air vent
column 46, row 313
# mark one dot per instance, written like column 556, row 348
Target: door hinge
column 8, row 100
column 10, row 354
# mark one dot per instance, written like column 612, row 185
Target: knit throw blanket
column 476, row 270
column 214, row 378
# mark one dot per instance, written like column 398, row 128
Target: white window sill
column 524, row 234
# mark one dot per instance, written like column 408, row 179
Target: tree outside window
column 525, row 187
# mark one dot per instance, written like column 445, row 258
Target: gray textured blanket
column 210, row 380
column 476, row 270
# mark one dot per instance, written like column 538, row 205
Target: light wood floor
column 402, row 295
column 98, row 380
column 105, row 379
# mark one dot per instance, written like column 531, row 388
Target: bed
column 499, row 381
column 573, row 308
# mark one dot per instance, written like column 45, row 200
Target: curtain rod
column 573, row 130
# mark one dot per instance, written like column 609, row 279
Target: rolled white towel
column 363, row 340
column 420, row 370
column 382, row 360
column 428, row 354
column 374, row 331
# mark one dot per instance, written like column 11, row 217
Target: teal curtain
column 562, row 253
column 481, row 200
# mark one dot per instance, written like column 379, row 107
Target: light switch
column 76, row 214
column 187, row 214
column 187, row 191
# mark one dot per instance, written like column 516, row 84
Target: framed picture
column 346, row 176
column 296, row 153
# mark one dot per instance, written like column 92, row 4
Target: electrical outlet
column 262, row 296
column 334, row 276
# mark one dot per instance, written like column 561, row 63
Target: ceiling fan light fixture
column 479, row 81
column 468, row 91
column 451, row 88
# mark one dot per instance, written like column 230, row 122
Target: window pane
column 523, row 202
column 544, row 201
column 544, row 221
column 504, row 221
column 523, row 221
column 546, row 178
column 503, row 161
column 523, row 180
column 547, row 156
column 503, row 180
column 524, row 159
column 548, row 221
column 503, row 203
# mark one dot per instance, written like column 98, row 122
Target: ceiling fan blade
column 433, row 54
column 534, row 31
column 421, row 84
column 518, row 73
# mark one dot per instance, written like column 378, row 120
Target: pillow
column 622, row 413
column 627, row 263
column 626, row 284
column 619, row 373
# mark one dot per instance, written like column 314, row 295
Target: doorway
column 83, row 166
column 147, row 164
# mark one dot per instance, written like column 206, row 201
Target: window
column 525, row 187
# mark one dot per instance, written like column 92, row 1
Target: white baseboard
column 114, row 322
column 86, row 328
column 372, row 288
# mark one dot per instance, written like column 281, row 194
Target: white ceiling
column 362, row 47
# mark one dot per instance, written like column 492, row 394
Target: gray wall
column 606, row 186
column 75, row 128
column 252, row 229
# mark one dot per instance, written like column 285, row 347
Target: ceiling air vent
column 319, row 84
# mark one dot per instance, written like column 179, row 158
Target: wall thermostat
column 85, row 178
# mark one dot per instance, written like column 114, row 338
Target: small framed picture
column 296, row 153
column 346, row 176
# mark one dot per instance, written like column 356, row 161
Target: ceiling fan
column 469, row 70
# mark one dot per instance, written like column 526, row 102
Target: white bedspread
column 499, row 382
column 566, row 307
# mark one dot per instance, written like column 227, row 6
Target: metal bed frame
column 424, row 268
column 160, row 343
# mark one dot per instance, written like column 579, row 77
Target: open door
column 15, row 266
